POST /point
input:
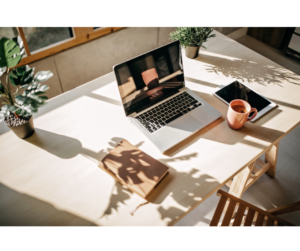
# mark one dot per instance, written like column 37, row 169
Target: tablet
column 237, row 90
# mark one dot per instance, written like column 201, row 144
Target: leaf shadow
column 248, row 71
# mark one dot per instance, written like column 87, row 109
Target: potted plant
column 192, row 38
column 17, row 107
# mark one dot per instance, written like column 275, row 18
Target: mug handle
column 253, row 116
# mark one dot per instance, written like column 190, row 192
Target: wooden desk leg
column 239, row 183
column 240, row 180
column 271, row 157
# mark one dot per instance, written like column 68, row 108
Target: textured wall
column 226, row 30
column 83, row 63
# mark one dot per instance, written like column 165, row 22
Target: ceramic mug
column 238, row 113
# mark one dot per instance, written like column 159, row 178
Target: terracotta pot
column 192, row 52
column 24, row 131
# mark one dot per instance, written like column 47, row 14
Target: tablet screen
column 237, row 90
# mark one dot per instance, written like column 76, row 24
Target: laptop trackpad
column 187, row 124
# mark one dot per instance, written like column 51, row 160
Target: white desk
column 53, row 177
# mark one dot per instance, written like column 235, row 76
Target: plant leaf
column 19, row 41
column 43, row 88
column 191, row 36
column 2, row 117
column 38, row 93
column 10, row 53
column 21, row 76
column 42, row 76
column 5, row 110
column 43, row 97
column 13, row 109
column 30, row 100
column 2, row 70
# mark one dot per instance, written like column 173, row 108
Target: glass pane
column 9, row 32
column 40, row 37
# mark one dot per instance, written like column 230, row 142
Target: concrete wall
column 83, row 63
column 226, row 30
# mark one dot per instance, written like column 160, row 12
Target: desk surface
column 53, row 177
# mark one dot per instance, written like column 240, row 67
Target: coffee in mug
column 238, row 113
column 239, row 108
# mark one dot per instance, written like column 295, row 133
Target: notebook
column 133, row 168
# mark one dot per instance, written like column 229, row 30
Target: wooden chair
column 240, row 213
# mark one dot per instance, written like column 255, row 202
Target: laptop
column 156, row 100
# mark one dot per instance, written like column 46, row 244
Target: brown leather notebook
column 133, row 168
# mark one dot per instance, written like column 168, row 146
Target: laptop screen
column 150, row 78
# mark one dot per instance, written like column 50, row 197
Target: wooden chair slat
column 219, row 210
column 260, row 219
column 249, row 217
column 254, row 214
column 239, row 215
column 229, row 213
column 231, row 197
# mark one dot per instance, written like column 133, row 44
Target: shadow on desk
column 180, row 185
column 66, row 147
column 246, row 70
column 17, row 209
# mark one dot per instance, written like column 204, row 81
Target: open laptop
column 156, row 100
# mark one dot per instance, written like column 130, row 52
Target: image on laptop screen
column 150, row 78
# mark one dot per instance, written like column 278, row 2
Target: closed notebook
column 133, row 168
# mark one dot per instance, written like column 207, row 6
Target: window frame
column 80, row 35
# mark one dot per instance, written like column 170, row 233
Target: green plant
column 192, row 36
column 23, row 78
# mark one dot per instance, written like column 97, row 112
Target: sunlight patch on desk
column 265, row 75
column 203, row 52
column 109, row 91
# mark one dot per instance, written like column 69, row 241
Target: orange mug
column 238, row 113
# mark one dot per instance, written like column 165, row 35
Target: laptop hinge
column 132, row 114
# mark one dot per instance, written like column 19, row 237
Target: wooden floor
column 266, row 193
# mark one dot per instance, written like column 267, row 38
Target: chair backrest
column 232, row 211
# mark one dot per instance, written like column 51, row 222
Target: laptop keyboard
column 168, row 111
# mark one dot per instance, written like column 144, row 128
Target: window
column 40, row 42
column 38, row 37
